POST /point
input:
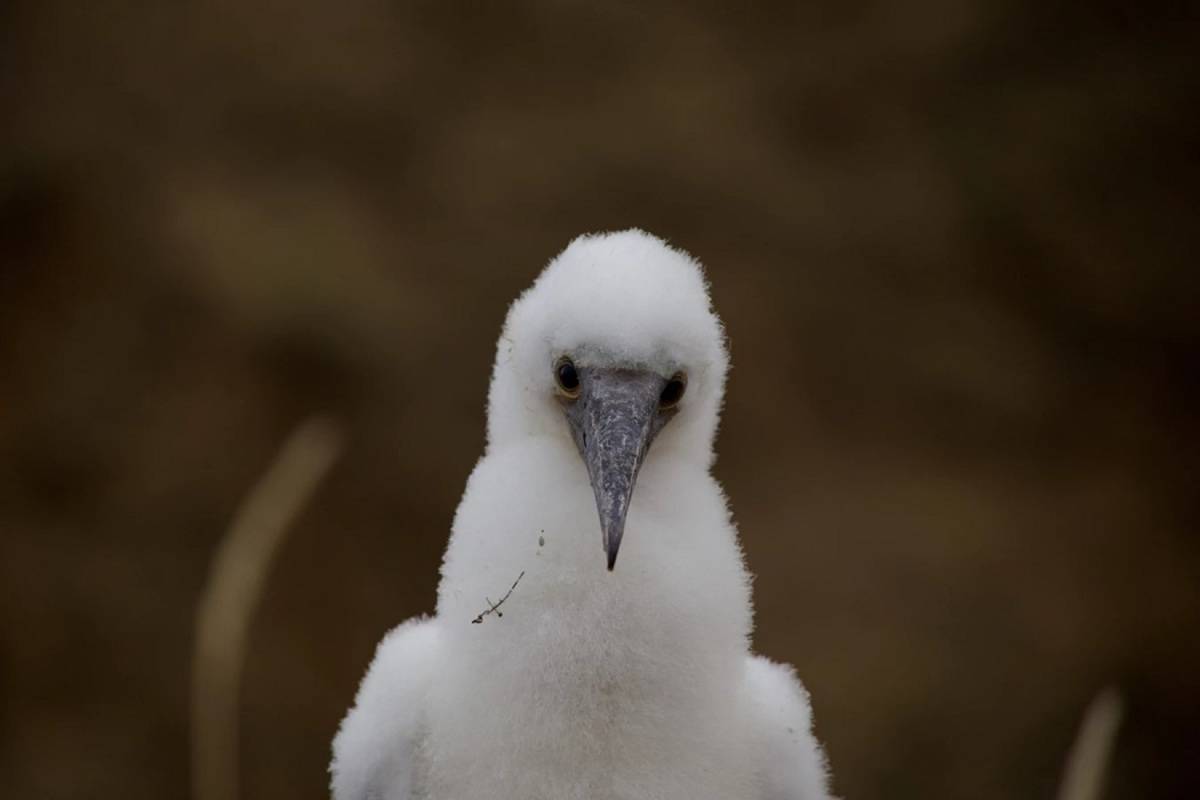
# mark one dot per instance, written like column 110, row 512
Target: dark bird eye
column 672, row 393
column 567, row 377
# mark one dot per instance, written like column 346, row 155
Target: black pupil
column 568, row 377
column 671, row 393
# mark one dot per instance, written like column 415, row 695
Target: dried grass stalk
column 1087, row 762
column 231, row 597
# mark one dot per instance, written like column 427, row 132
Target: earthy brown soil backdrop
column 953, row 242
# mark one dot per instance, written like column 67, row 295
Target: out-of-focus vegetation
column 953, row 242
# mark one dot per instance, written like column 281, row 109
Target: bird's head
column 615, row 347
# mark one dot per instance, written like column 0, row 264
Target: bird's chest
column 590, row 724
column 566, row 754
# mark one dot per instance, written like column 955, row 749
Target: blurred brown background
column 953, row 243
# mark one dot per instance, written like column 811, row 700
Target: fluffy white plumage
column 635, row 683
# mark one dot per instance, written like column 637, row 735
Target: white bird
column 547, row 673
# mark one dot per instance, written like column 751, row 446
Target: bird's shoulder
column 793, row 764
column 373, row 750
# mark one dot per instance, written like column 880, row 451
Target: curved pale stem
column 1087, row 762
column 231, row 596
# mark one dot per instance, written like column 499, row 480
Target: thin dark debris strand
column 494, row 608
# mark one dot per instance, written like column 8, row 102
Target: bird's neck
column 526, row 595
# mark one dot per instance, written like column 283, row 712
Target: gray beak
column 614, row 419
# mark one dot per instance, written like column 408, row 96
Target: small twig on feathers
column 494, row 608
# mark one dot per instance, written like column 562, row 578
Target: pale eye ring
column 566, row 377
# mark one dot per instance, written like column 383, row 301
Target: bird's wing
column 793, row 764
column 373, row 752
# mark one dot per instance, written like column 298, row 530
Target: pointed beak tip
column 612, row 546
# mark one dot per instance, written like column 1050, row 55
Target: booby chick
column 551, row 671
